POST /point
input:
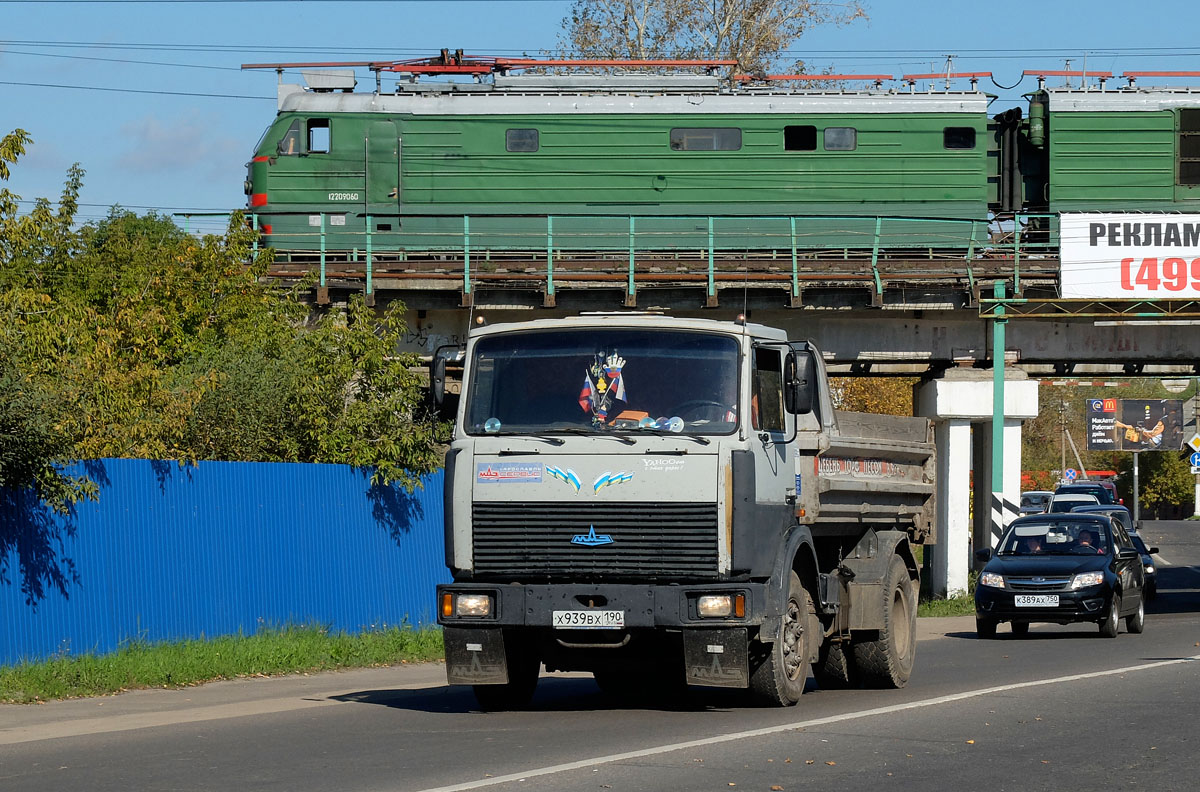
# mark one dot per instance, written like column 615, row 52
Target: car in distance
column 1121, row 514
column 1066, row 501
column 1105, row 491
column 1063, row 569
column 1035, row 501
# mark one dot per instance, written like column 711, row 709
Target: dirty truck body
column 662, row 501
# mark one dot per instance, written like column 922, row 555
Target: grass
column 267, row 652
column 962, row 605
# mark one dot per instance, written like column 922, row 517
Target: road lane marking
column 724, row 738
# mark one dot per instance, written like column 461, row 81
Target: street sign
column 1195, row 442
column 1195, row 459
column 1195, row 470
column 1071, row 474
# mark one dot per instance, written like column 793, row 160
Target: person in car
column 1031, row 544
column 1087, row 539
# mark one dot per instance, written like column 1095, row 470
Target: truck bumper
column 660, row 622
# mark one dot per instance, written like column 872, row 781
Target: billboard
column 1130, row 256
column 1134, row 424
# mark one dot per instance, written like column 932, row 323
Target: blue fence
column 170, row 552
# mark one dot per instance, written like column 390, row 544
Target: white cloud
column 189, row 145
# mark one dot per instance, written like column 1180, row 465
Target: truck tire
column 782, row 666
column 523, row 670
column 835, row 667
column 887, row 661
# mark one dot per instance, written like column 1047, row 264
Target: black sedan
column 1061, row 568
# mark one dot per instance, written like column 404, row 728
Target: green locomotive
column 534, row 162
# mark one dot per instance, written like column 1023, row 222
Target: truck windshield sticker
column 507, row 472
column 607, row 479
column 602, row 385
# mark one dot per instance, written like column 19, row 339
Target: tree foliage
column 128, row 337
column 882, row 395
column 755, row 33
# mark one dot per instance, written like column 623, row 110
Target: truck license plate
column 589, row 619
column 1036, row 600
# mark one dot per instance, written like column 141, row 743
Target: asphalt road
column 1060, row 710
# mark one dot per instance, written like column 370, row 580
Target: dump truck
column 666, row 502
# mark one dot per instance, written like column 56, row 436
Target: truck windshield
column 603, row 380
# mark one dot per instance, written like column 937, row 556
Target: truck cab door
column 772, row 424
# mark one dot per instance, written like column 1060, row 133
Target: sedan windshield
column 600, row 380
column 1055, row 538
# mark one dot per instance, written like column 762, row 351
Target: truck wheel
column 887, row 661
column 523, row 670
column 835, row 667
column 782, row 670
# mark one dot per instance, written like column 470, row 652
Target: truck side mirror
column 437, row 379
column 798, row 385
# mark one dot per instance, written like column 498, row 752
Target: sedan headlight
column 1085, row 579
column 1149, row 569
column 991, row 579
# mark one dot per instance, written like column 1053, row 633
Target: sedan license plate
column 588, row 619
column 1036, row 600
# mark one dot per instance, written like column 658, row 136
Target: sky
column 148, row 95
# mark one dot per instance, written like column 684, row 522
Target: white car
column 1069, row 500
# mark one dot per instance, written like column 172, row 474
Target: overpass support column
column 950, row 569
column 963, row 397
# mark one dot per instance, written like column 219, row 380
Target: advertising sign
column 1134, row 425
column 1130, row 256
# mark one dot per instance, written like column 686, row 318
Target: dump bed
column 878, row 471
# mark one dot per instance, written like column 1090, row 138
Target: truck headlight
column 991, row 579
column 1085, row 579
column 477, row 605
column 719, row 606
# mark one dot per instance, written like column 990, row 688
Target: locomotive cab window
column 289, row 144
column 318, row 136
column 1189, row 146
column 958, row 138
column 521, row 140
column 706, row 139
column 841, row 138
column 799, row 138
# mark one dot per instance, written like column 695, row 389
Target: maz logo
column 591, row 538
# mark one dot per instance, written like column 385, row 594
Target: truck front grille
column 650, row 541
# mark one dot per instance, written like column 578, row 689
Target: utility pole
column 1062, row 438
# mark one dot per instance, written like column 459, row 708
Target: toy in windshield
column 602, row 386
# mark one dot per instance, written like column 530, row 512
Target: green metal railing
column 958, row 243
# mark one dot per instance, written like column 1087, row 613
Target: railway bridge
column 980, row 324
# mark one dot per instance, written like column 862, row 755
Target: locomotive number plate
column 588, row 619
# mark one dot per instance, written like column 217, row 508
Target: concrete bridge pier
column 960, row 405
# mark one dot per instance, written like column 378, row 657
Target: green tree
column 753, row 32
column 884, row 395
column 33, row 444
column 1166, row 486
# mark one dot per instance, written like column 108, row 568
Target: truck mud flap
column 716, row 658
column 474, row 657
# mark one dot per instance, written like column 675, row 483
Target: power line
column 119, row 60
column 133, row 90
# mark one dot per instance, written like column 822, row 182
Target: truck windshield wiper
column 556, row 441
column 582, row 432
